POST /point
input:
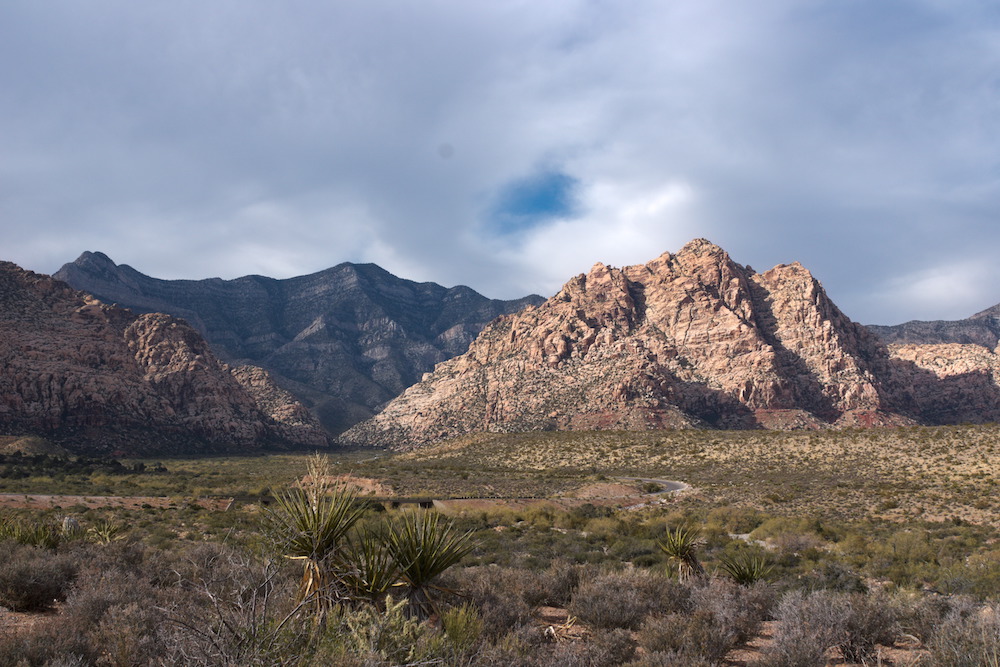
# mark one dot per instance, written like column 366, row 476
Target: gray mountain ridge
column 344, row 340
column 983, row 328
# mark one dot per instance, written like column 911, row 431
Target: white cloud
column 948, row 291
column 193, row 139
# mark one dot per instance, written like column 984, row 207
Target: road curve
column 669, row 486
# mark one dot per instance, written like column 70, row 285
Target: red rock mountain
column 98, row 378
column 687, row 340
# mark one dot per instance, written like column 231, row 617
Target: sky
column 509, row 145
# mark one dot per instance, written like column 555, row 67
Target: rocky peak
column 344, row 340
column 691, row 338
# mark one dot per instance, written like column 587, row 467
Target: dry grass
column 927, row 473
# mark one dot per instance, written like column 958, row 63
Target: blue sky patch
column 527, row 202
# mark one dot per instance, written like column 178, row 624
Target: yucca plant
column 105, row 532
column 681, row 544
column 312, row 522
column 42, row 535
column 745, row 567
column 371, row 571
column 423, row 548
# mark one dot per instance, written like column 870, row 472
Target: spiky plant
column 681, row 544
column 745, row 567
column 105, row 532
column 44, row 535
column 371, row 571
column 312, row 522
column 423, row 548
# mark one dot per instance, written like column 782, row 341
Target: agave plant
column 745, row 567
column 312, row 521
column 681, row 544
column 423, row 548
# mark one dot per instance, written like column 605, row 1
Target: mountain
column 100, row 379
column 687, row 340
column 344, row 341
column 983, row 328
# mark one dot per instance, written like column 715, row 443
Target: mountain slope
column 691, row 339
column 983, row 328
column 345, row 340
column 97, row 378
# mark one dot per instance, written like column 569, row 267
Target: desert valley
column 683, row 462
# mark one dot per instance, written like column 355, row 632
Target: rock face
column 948, row 383
column 983, row 329
column 687, row 340
column 344, row 341
column 97, row 378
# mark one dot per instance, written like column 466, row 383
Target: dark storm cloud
column 196, row 139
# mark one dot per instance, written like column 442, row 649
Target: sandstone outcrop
column 344, row 341
column 688, row 340
column 96, row 378
column 948, row 383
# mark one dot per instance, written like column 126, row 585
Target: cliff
column 691, row 339
column 96, row 378
column 344, row 341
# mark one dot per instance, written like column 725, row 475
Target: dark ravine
column 691, row 339
column 344, row 341
column 99, row 379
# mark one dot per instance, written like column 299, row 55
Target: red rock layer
column 99, row 378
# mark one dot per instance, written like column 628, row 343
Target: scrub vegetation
column 770, row 558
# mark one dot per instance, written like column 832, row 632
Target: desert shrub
column 519, row 648
column 811, row 623
column 32, row 579
column 500, row 594
column 127, row 635
column 969, row 636
column 235, row 610
column 808, row 624
column 871, row 620
column 781, row 525
column 557, row 584
column 833, row 576
column 739, row 520
column 48, row 643
column 604, row 650
column 698, row 634
column 919, row 615
column 669, row 659
column 463, row 628
column 624, row 599
column 737, row 610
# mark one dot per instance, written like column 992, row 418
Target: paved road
column 669, row 486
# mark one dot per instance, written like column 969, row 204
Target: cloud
column 955, row 289
column 505, row 145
